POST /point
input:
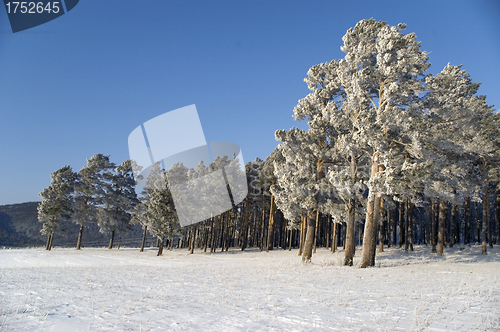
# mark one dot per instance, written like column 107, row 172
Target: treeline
column 100, row 192
column 393, row 156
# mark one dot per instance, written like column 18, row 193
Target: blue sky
column 80, row 84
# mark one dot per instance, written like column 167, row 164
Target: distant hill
column 19, row 227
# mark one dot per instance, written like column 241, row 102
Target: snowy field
column 125, row 290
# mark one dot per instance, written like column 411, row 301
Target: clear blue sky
column 80, row 84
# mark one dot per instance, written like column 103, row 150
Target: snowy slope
column 125, row 290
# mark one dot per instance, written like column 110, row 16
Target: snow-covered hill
column 125, row 290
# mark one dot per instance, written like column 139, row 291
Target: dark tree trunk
column 243, row 238
column 193, row 239
column 303, row 230
column 467, row 222
column 486, row 218
column 434, row 225
column 498, row 216
column 49, row 236
column 381, row 228
column 51, row 240
column 402, row 232
column 205, row 236
column 334, row 237
column 111, row 240
column 454, row 226
column 215, row 225
column 308, row 245
column 409, row 226
column 262, row 228
column 350, row 237
column 479, row 223
column 143, row 242
column 395, row 215
column 316, row 229
column 376, row 221
column 442, row 220
column 160, row 247
column 79, row 243
column 270, row 230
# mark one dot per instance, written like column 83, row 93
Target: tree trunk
column 454, row 225
column 376, row 221
column 308, row 245
column 434, row 225
column 111, row 240
column 302, row 234
column 215, row 225
column 368, row 237
column 49, row 236
column 262, row 228
column 441, row 228
column 270, row 231
column 79, row 243
column 498, row 216
column 381, row 228
column 193, row 239
column 334, row 237
column 246, row 213
column 486, row 217
column 160, row 247
column 144, row 238
column 478, row 223
column 401, row 225
column 316, row 229
column 343, row 236
column 350, row 237
column 394, row 222
column 371, row 225
column 409, row 226
column 51, row 240
column 467, row 222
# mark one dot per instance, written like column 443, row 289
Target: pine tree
column 382, row 75
column 301, row 178
column 462, row 142
column 57, row 202
column 94, row 183
column 161, row 217
column 115, row 212
column 139, row 213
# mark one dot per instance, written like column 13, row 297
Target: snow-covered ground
column 125, row 290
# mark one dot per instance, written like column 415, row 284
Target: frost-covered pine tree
column 57, row 202
column 381, row 75
column 94, row 182
column 464, row 141
column 139, row 213
column 328, row 111
column 117, row 204
column 301, row 178
column 365, row 103
column 160, row 215
column 253, row 201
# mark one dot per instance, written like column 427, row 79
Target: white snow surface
column 125, row 290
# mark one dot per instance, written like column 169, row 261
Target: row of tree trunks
column 404, row 223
